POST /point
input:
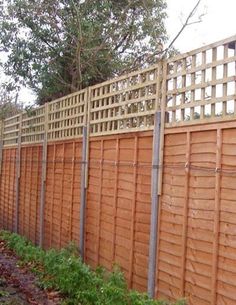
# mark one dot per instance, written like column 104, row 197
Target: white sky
column 217, row 23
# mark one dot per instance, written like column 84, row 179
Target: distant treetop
column 58, row 47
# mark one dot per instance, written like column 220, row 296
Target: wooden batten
column 133, row 210
column 216, row 228
column 185, row 213
column 116, row 169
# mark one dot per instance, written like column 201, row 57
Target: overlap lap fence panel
column 7, row 189
column 29, row 191
column 99, row 141
column 118, row 204
column 196, row 252
column 62, row 200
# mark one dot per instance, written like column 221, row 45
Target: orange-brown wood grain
column 196, row 246
column 133, row 212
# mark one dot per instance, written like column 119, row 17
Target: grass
column 64, row 271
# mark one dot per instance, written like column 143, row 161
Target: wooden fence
column 87, row 168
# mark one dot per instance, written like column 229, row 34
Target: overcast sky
column 217, row 23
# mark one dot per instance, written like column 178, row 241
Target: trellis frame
column 200, row 79
column 182, row 87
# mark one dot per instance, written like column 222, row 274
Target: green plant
column 64, row 271
column 58, row 47
column 4, row 293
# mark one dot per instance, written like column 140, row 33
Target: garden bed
column 19, row 285
column 60, row 277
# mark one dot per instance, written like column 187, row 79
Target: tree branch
column 148, row 57
column 185, row 24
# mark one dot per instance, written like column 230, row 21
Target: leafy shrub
column 64, row 271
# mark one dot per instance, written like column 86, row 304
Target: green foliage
column 3, row 293
column 63, row 270
column 57, row 47
column 8, row 102
column 8, row 109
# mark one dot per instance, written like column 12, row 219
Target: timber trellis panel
column 192, row 88
column 127, row 103
column 46, row 162
column 201, row 85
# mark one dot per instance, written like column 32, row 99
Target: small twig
column 185, row 24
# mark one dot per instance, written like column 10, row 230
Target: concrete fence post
column 84, row 171
column 83, row 192
column 18, row 174
column 87, row 123
column 1, row 155
column 154, row 205
column 43, row 180
column 1, row 146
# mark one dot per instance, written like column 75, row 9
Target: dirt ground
column 18, row 286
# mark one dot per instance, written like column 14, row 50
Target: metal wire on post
column 146, row 165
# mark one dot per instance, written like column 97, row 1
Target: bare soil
column 18, row 285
